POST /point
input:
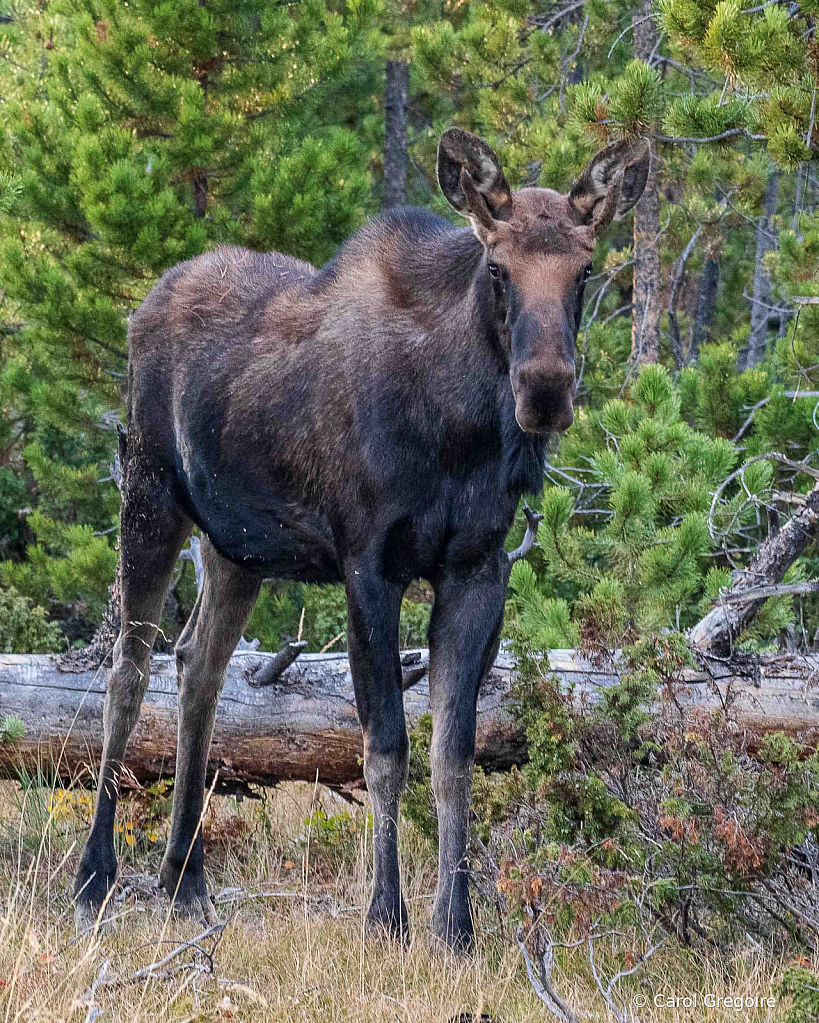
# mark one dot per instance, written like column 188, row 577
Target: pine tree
column 626, row 549
column 764, row 63
column 137, row 136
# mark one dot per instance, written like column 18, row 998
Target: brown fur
column 372, row 422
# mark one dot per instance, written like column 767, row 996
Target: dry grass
column 294, row 948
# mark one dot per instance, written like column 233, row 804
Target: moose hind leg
column 152, row 536
column 463, row 640
column 202, row 655
column 372, row 628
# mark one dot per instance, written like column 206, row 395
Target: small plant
column 12, row 729
column 144, row 814
column 800, row 984
column 337, row 832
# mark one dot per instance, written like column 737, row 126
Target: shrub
column 24, row 628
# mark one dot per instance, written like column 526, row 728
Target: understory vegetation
column 291, row 877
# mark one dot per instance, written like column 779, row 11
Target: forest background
column 138, row 134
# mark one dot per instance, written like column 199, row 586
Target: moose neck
column 457, row 287
column 431, row 279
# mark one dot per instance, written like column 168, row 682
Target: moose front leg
column 463, row 640
column 373, row 608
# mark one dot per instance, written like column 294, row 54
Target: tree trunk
column 645, row 316
column 395, row 134
column 306, row 727
column 717, row 632
column 706, row 304
column 754, row 352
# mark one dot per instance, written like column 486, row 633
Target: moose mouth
column 545, row 414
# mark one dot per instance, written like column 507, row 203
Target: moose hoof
column 389, row 917
column 189, row 896
column 93, row 891
column 88, row 919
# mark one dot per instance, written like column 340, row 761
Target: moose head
column 539, row 246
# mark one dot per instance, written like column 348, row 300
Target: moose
column 372, row 422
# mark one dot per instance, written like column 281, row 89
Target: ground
column 291, row 874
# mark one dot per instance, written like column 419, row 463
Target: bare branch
column 541, row 980
column 676, row 284
column 271, row 672
column 749, row 420
column 730, row 133
column 763, row 592
column 533, row 520
column 716, row 632
column 193, row 552
column 626, row 30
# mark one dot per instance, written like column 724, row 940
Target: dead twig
column 152, row 970
column 271, row 672
column 533, row 520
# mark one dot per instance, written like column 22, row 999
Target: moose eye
column 494, row 270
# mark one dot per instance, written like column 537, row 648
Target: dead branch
column 193, row 553
column 533, row 520
column 152, row 970
column 719, row 629
column 763, row 592
column 541, row 980
column 272, row 671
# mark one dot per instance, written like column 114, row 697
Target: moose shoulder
column 371, row 422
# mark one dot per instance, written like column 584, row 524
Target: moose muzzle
column 543, row 396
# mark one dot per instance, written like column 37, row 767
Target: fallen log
column 304, row 726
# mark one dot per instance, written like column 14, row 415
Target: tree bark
column 645, row 316
column 706, row 304
column 306, row 727
column 754, row 351
column 717, row 632
column 395, row 134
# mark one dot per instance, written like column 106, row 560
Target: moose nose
column 543, row 397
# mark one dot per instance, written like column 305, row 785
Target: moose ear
column 471, row 178
column 611, row 184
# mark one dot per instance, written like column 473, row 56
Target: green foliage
column 12, row 499
column 715, row 396
column 277, row 617
column 69, row 563
column 24, row 628
column 801, row 986
column 308, row 202
column 336, row 833
column 639, row 561
column 760, row 49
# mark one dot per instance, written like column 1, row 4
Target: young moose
column 371, row 422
